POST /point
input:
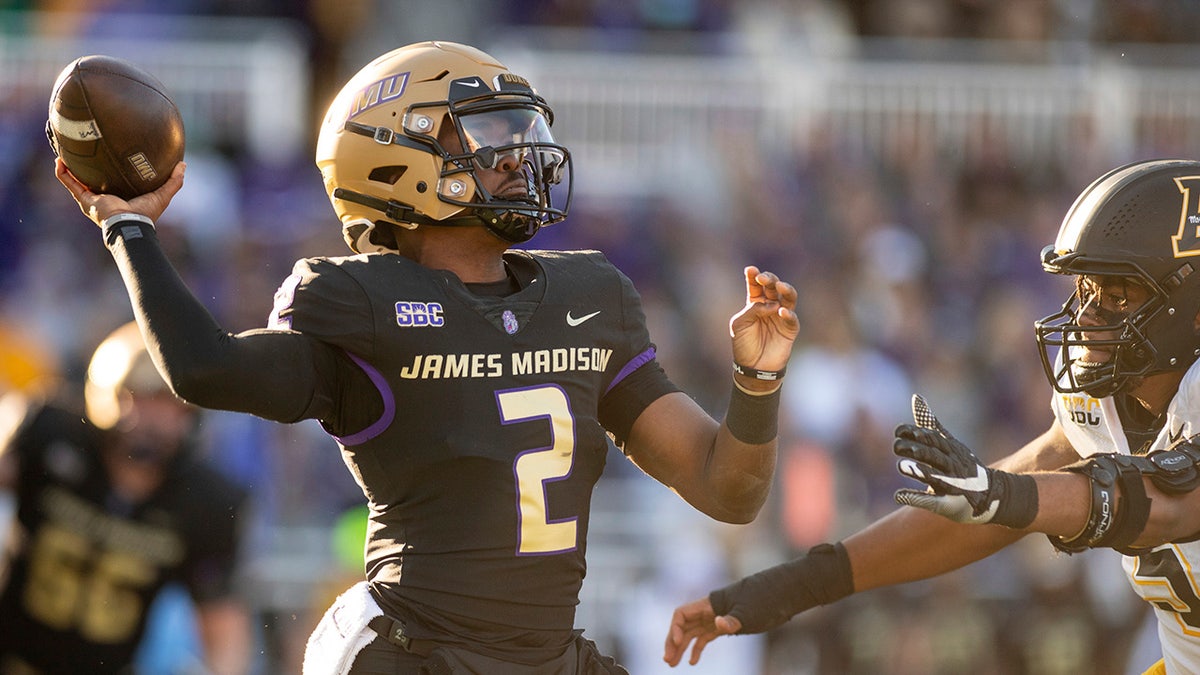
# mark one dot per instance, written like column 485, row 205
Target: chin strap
column 391, row 209
column 508, row 224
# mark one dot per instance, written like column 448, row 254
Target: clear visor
column 496, row 134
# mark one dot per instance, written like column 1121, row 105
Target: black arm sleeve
column 768, row 599
column 620, row 408
column 277, row 375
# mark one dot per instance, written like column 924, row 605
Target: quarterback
column 473, row 387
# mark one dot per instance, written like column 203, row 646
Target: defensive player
column 1121, row 357
column 111, row 506
column 470, row 386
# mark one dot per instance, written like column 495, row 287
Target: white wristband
column 137, row 217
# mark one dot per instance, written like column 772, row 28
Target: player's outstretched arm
column 1125, row 502
column 272, row 374
column 725, row 469
column 904, row 546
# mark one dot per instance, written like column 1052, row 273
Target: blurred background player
column 111, row 506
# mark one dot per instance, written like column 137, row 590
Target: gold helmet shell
column 384, row 156
column 119, row 366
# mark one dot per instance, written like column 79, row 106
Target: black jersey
column 90, row 565
column 479, row 470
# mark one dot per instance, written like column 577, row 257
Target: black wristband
column 1018, row 499
column 770, row 598
column 764, row 375
column 753, row 419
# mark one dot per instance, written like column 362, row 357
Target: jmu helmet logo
column 1187, row 241
column 389, row 88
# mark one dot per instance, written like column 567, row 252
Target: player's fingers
column 914, row 470
column 68, row 179
column 168, row 189
column 754, row 290
column 728, row 625
column 672, row 653
column 769, row 282
column 925, row 454
column 919, row 499
column 153, row 204
column 674, row 645
column 791, row 321
column 788, row 294
column 698, row 649
column 918, row 434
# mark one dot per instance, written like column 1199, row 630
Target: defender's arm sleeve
column 278, row 375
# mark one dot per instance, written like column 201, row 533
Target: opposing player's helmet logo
column 1187, row 240
column 403, row 141
column 1138, row 224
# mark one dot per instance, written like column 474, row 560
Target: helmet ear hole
column 387, row 174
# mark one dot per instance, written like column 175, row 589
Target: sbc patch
column 415, row 314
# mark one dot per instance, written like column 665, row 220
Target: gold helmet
column 382, row 161
column 120, row 366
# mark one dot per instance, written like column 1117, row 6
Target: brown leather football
column 115, row 126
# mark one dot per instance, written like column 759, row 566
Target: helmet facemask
column 1113, row 348
column 494, row 133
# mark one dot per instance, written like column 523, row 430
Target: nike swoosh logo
column 572, row 321
column 469, row 83
column 976, row 483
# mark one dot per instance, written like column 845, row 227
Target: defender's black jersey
column 81, row 584
column 479, row 471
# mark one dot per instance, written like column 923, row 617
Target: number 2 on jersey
column 536, row 533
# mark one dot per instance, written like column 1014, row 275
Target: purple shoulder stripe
column 634, row 363
column 389, row 406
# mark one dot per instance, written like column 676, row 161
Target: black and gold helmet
column 1139, row 223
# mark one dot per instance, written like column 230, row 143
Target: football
column 115, row 126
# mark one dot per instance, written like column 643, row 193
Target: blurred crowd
column 916, row 274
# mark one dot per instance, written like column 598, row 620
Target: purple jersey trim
column 389, row 406
column 634, row 363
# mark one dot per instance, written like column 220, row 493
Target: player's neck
column 473, row 254
column 1156, row 391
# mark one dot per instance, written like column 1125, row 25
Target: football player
column 471, row 386
column 1118, row 467
column 112, row 504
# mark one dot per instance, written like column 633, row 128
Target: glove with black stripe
column 960, row 487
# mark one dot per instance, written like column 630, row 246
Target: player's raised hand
column 960, row 487
column 98, row 207
column 765, row 329
column 695, row 622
